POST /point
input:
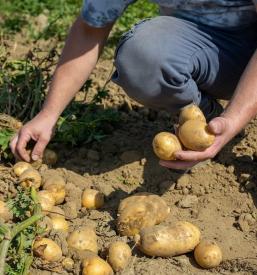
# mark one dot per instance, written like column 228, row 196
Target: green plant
column 5, row 137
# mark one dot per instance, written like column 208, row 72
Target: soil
column 219, row 196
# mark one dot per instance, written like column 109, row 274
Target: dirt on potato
column 219, row 196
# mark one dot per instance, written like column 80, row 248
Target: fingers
column 18, row 145
column 39, row 148
column 178, row 164
column 218, row 125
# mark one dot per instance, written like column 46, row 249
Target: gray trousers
column 167, row 63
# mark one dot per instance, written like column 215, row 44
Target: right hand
column 40, row 129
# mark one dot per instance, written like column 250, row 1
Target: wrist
column 50, row 116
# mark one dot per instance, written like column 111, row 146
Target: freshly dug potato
column 68, row 263
column 92, row 199
column 29, row 178
column 49, row 157
column 94, row 265
column 53, row 179
column 191, row 111
column 46, row 200
column 20, row 167
column 83, row 239
column 165, row 241
column 56, row 185
column 60, row 224
column 208, row 254
column 194, row 135
column 5, row 213
column 47, row 250
column 165, row 145
column 140, row 211
column 119, row 254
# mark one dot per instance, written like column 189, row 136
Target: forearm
column 243, row 106
column 79, row 57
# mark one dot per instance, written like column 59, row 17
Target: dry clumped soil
column 219, row 196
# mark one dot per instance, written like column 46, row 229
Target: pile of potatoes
column 192, row 134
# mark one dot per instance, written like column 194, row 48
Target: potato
column 5, row 213
column 56, row 185
column 165, row 241
column 165, row 145
column 68, row 264
column 53, row 179
column 83, row 239
column 92, row 199
column 119, row 254
column 140, row 211
column 20, row 167
column 194, row 135
column 47, row 250
column 191, row 111
column 29, row 178
column 94, row 265
column 49, row 157
column 207, row 254
column 46, row 200
column 60, row 224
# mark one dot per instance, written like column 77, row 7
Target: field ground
column 219, row 196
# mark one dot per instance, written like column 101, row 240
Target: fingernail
column 35, row 157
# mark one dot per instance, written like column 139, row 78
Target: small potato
column 165, row 145
column 68, row 264
column 191, row 111
column 207, row 254
column 139, row 211
column 49, row 157
column 83, row 239
column 46, row 200
column 20, row 167
column 166, row 241
column 195, row 136
column 5, row 213
column 60, row 224
column 119, row 254
column 94, row 265
column 29, row 178
column 56, row 185
column 47, row 250
column 92, row 199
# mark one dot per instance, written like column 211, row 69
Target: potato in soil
column 46, row 200
column 194, row 135
column 29, row 178
column 119, row 254
column 165, row 145
column 20, row 167
column 5, row 213
column 139, row 211
column 191, row 111
column 208, row 254
column 60, row 224
column 83, row 239
column 166, row 241
column 92, row 199
column 47, row 250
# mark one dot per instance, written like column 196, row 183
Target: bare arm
column 78, row 59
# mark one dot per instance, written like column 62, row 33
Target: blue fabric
column 218, row 13
column 167, row 62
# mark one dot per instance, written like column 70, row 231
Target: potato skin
column 47, row 249
column 191, row 111
column 30, row 177
column 5, row 213
column 195, row 136
column 92, row 199
column 119, row 254
column 20, row 167
column 166, row 241
column 139, row 211
column 208, row 254
column 165, row 145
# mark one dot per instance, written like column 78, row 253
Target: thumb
column 217, row 126
column 39, row 148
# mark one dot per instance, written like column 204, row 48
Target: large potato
column 20, row 167
column 140, row 211
column 194, row 135
column 165, row 145
column 83, row 239
column 56, row 185
column 165, row 241
column 207, row 254
column 189, row 112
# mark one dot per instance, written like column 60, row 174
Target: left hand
column 222, row 128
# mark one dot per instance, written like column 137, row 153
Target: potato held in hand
column 166, row 241
column 165, row 145
column 195, row 136
column 140, row 211
column 190, row 112
column 207, row 254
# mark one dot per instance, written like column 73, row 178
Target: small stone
column 93, row 155
column 188, row 201
column 244, row 177
column 143, row 161
column 231, row 169
column 130, row 156
column 182, row 182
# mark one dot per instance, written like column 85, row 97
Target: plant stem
column 3, row 252
column 27, row 265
